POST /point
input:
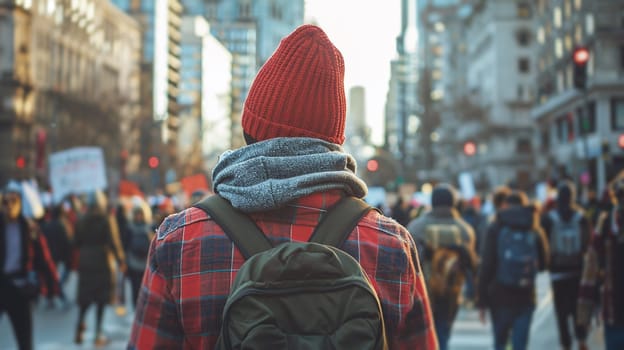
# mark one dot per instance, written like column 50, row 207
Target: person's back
column 568, row 231
column 515, row 249
column 447, row 247
column 286, row 179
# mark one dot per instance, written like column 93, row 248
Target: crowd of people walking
column 490, row 260
column 104, row 245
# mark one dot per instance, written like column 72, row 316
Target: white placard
column 466, row 186
column 77, row 170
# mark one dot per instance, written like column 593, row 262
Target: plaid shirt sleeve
column 157, row 323
column 400, row 285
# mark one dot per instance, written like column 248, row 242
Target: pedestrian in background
column 471, row 213
column 603, row 271
column 447, row 248
column 55, row 230
column 403, row 211
column 568, row 231
column 97, row 239
column 292, row 171
column 515, row 249
column 24, row 260
column 140, row 235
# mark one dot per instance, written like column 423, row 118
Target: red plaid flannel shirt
column 192, row 265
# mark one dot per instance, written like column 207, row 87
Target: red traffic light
column 20, row 162
column 372, row 165
column 470, row 149
column 580, row 56
column 153, row 162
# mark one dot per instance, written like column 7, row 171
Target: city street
column 54, row 329
column 469, row 334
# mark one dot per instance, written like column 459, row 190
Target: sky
column 365, row 32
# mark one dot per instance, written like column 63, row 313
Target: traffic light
column 470, row 149
column 153, row 162
column 621, row 141
column 580, row 57
column 20, row 162
column 372, row 165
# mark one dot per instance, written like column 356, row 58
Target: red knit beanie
column 299, row 92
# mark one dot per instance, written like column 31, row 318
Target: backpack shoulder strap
column 237, row 226
column 338, row 223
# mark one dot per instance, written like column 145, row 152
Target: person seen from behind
column 602, row 281
column 515, row 249
column 447, row 250
column 291, row 172
column 56, row 232
column 100, row 251
column 568, row 231
column 140, row 234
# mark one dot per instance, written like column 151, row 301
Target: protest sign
column 77, row 170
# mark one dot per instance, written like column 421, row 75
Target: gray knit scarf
column 268, row 174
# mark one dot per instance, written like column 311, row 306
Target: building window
column 617, row 114
column 540, row 35
column 561, row 129
column 545, row 140
column 523, row 9
column 245, row 10
column 557, row 17
column 276, row 11
column 578, row 4
column 622, row 57
column 558, row 48
column 523, row 36
column 589, row 24
column 523, row 65
column 520, row 92
column 523, row 146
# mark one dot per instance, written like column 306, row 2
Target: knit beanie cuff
column 261, row 129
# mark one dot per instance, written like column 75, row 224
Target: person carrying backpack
column 568, row 231
column 448, row 255
column 515, row 249
column 210, row 284
column 140, row 235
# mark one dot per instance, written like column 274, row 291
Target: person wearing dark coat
column 566, row 275
column 99, row 246
column 511, row 303
column 140, row 235
column 444, row 216
column 24, row 260
column 55, row 231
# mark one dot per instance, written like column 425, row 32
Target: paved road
column 470, row 334
column 54, row 329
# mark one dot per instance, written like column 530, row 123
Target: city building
column 402, row 112
column 205, row 97
column 160, row 22
column 65, row 67
column 251, row 31
column 579, row 132
column 481, row 56
column 358, row 133
column 443, row 64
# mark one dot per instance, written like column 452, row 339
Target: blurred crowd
column 485, row 253
column 106, row 243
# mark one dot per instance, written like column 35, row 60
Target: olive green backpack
column 298, row 295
